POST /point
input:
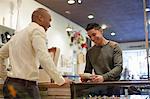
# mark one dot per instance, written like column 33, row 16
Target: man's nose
column 92, row 38
column 49, row 25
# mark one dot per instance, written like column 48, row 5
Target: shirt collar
column 35, row 25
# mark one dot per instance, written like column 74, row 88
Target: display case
column 118, row 89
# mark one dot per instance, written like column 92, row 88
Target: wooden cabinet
column 53, row 91
column 78, row 90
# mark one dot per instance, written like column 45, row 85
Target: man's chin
column 95, row 42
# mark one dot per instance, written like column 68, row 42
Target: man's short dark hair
column 92, row 26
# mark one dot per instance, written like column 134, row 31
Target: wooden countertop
column 119, row 82
column 52, row 85
column 47, row 85
column 50, row 91
column 123, row 83
column 132, row 82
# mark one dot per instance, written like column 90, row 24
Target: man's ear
column 101, row 30
column 40, row 17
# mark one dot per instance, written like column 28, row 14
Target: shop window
column 135, row 64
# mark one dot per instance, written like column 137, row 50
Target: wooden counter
column 50, row 91
column 53, row 91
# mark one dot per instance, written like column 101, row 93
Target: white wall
column 56, row 35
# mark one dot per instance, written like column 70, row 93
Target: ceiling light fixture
column 147, row 9
column 104, row 26
column 71, row 1
column 79, row 1
column 90, row 16
column 67, row 12
column 69, row 28
column 113, row 33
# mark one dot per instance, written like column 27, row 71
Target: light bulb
column 68, row 29
column 8, row 36
column 71, row 1
column 113, row 33
column 90, row 16
column 79, row 1
column 104, row 26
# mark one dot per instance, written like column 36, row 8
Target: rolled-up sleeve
column 39, row 45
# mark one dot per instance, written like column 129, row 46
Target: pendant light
column 69, row 28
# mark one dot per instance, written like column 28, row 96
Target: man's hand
column 97, row 78
column 83, row 80
column 67, row 82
